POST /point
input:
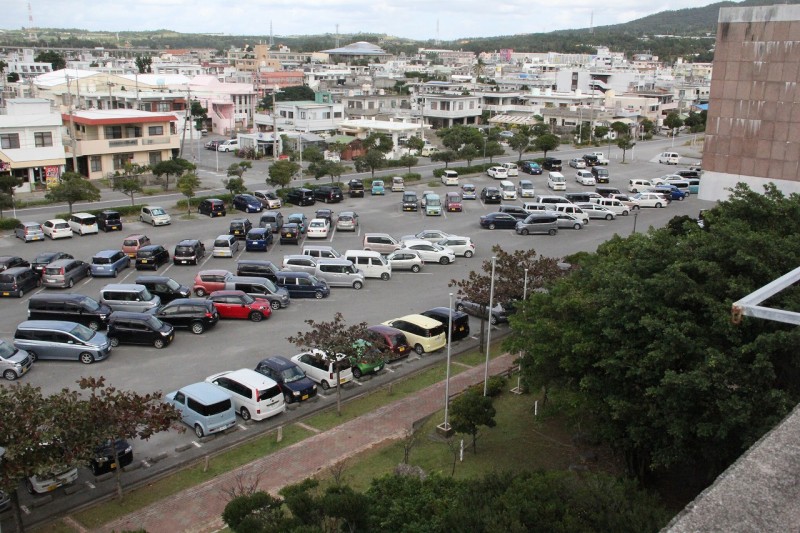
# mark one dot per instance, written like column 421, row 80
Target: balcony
column 156, row 140
column 123, row 143
column 461, row 113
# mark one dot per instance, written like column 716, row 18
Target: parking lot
column 241, row 344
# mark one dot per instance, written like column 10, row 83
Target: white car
column 498, row 173
column 667, row 179
column 347, row 221
column 430, row 252
column 584, row 177
column 423, row 199
column 321, row 368
column 50, row 482
column 57, row 228
column 300, row 263
column 430, row 235
column 398, row 184
column 318, row 228
column 405, row 260
column 526, row 189
column 597, row 211
column 460, row 245
column 154, row 215
column 577, row 163
column 649, row 199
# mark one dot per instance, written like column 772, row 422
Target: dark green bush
column 412, row 176
column 495, row 386
column 474, row 169
column 8, row 223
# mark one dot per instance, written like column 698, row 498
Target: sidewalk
column 199, row 509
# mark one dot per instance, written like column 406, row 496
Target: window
column 113, row 132
column 121, row 159
column 155, row 158
column 155, row 130
column 43, row 138
column 133, row 131
column 96, row 163
column 434, row 105
column 9, row 140
column 337, row 114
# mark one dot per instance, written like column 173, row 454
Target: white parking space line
column 25, row 509
column 242, row 426
column 197, row 444
column 358, row 383
column 90, row 485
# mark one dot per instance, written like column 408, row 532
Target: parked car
column 498, row 221
column 300, row 219
column 268, row 199
column 239, row 228
column 531, row 167
column 303, row 285
column 460, row 322
column 430, row 252
column 294, row 383
column 300, row 196
column 430, row 235
column 410, row 201
column 18, row 280
column 366, row 359
column 452, row 202
column 584, row 177
column 381, row 242
column 64, row 273
column 109, row 220
column 577, row 163
column 11, row 261
column 138, row 328
column 154, row 215
column 449, row 177
column 45, row 258
column 258, row 240
column 526, row 189
column 213, row 144
column 355, row 188
column 132, row 243
column 600, row 174
column 597, row 211
column 491, row 195
column 272, row 220
column 391, row 339
column 318, row 228
column 499, row 314
column 247, row 203
column 83, row 224
column 29, row 231
column 70, row 307
column 195, row 314
column 164, row 287
column 568, row 221
column 460, row 245
column 324, row 369
column 109, row 263
column 290, row 234
column 398, row 184
column 103, row 461
column 225, row 246
column 469, row 192
column 229, row 145
column 551, row 163
column 405, row 259
column 378, row 188
column 300, row 263
column 257, row 267
column 57, row 228
column 497, row 172
column 189, row 251
column 213, row 207
column 423, row 333
column 538, row 222
column 254, row 395
column 347, row 221
column 238, row 304
column 61, row 340
column 328, row 194
column 203, row 407
column 151, row 256
column 649, row 199
column 670, row 192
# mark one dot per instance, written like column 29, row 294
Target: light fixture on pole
column 489, row 332
column 518, row 389
column 444, row 428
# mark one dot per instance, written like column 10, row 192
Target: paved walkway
column 199, row 509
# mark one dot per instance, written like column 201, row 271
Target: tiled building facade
column 753, row 127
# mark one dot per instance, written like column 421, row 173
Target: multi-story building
column 105, row 140
column 30, row 142
column 25, row 66
column 370, row 104
column 304, row 116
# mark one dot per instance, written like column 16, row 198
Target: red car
column 392, row 339
column 238, row 304
column 208, row 281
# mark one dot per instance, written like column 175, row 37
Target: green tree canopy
column 73, row 188
column 281, row 173
column 494, row 149
column 415, row 143
column 129, row 183
column 547, row 142
column 52, row 57
column 519, row 143
column 188, row 184
column 625, row 143
column 469, row 411
column 408, row 161
column 673, row 121
column 372, row 160
column 446, row 156
column 171, row 167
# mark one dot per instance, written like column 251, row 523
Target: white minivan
column 254, row 395
column 508, row 190
column 372, row 264
column 556, row 181
column 511, row 168
column 83, row 223
column 450, row 177
column 669, row 158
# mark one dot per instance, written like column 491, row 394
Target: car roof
column 421, row 320
column 213, row 271
column 61, row 325
column 226, row 293
column 210, row 392
column 107, row 253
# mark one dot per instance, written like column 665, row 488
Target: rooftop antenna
column 31, row 32
column 337, row 36
column 437, row 32
column 271, row 39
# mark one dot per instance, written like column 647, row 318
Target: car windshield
column 7, row 350
column 174, row 285
column 157, row 211
column 154, row 323
column 45, row 257
column 292, row 374
column 101, row 260
column 313, row 280
column 82, row 333
column 247, row 299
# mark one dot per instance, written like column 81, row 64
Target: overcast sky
column 416, row 19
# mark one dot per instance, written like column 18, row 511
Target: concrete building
column 754, row 109
column 24, row 65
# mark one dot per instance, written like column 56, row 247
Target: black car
column 327, row 214
column 45, row 258
column 328, row 194
column 499, row 313
column 591, row 160
column 491, row 195
column 103, row 460
column 11, row 261
column 213, row 207
column 551, row 163
column 410, row 201
column 460, row 321
column 138, row 328
column 70, row 307
column 356, row 188
column 109, row 220
column 498, row 221
column 247, row 203
column 530, row 167
column 303, row 285
column 194, row 314
column 258, row 268
column 294, row 383
column 239, row 227
column 165, row 288
column 290, row 234
column 189, row 251
column 151, row 256
column 301, row 196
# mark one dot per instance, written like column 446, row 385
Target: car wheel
column 318, row 295
column 493, row 320
column 198, row 328
column 245, row 413
column 325, row 385
column 576, row 226
column 444, row 261
column 625, row 213
column 357, row 285
column 159, row 343
column 255, row 316
column 21, row 293
column 71, row 283
column 552, row 232
column 356, row 372
column 415, row 268
column 634, row 191
column 524, row 231
column 115, row 273
column 33, row 355
column 385, row 276
column 275, row 305
column 198, row 431
column 419, row 349
column 113, row 341
column 10, row 375
column 491, row 226
column 609, row 216
column 200, row 292
column 468, row 254
column 659, row 206
column 141, row 219
column 681, row 198
column 29, row 486
column 87, row 358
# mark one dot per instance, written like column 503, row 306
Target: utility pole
column 72, row 129
column 186, row 117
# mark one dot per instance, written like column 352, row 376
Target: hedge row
column 8, row 223
column 474, row 169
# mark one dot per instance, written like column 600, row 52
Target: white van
column 637, row 185
column 372, row 264
column 254, row 395
column 317, row 252
column 557, row 181
column 508, row 190
column 228, row 146
column 83, row 223
column 225, row 246
column 550, row 199
column 572, row 210
column 450, row 177
column 612, row 204
column 511, row 168
column 339, row 273
column 669, row 158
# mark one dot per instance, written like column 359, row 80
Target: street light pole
column 274, row 126
column 518, row 390
column 445, row 427
column 489, row 333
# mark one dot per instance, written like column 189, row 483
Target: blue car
column 670, row 192
column 258, row 240
column 531, row 167
column 247, row 203
column 300, row 219
column 109, row 263
column 378, row 187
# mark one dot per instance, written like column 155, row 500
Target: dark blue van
column 303, row 285
column 258, row 240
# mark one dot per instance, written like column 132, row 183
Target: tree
column 328, row 168
column 54, row 58
column 625, row 143
column 415, row 143
column 188, row 184
column 114, row 415
column 172, row 167
column 235, row 183
column 379, row 141
column 259, row 512
column 470, row 411
column 334, row 339
column 408, row 161
column 519, row 143
column 281, row 173
column 468, row 153
column 371, row 161
column 539, row 129
column 144, row 64
column 456, row 137
column 600, row 132
column 667, row 379
column 73, row 188
column 547, row 142
column 312, row 155
column 200, row 114
column 674, row 122
column 446, row 156
column 648, row 127
column 13, row 77
column 696, row 121
column 620, row 128
column 129, row 182
column 494, row 149
column 6, row 202
column 8, row 182
column 289, row 94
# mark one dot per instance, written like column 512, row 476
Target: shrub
column 495, row 386
column 8, row 223
column 474, row 169
column 412, row 176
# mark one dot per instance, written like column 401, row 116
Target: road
column 241, row 344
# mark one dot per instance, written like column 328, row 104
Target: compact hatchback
column 195, row 314
column 238, row 304
column 65, row 273
column 155, row 216
column 208, row 281
column 213, row 207
column 294, row 383
column 323, row 369
column 151, row 256
column 29, row 231
column 138, row 328
column 239, row 227
column 57, row 228
column 132, row 243
column 189, row 251
column 109, row 220
column 258, row 240
column 247, row 203
column 109, row 263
